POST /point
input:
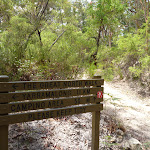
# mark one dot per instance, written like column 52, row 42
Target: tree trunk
column 110, row 36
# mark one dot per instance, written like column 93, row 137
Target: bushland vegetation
column 49, row 39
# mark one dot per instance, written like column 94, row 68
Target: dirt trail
column 134, row 111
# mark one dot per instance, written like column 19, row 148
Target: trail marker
column 37, row 100
column 99, row 94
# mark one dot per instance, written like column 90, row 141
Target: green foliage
column 135, row 71
column 145, row 61
column 59, row 38
column 5, row 13
column 132, row 48
column 92, row 69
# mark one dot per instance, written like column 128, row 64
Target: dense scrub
column 58, row 39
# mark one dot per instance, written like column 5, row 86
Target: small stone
column 113, row 140
column 127, row 136
column 52, row 147
column 119, row 139
column 119, row 132
column 125, row 145
column 134, row 144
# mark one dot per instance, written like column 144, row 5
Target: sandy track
column 134, row 111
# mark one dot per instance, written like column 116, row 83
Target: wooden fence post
column 95, row 125
column 4, row 128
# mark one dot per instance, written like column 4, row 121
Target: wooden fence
column 24, row 101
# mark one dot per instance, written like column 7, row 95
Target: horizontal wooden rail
column 35, row 85
column 49, row 103
column 44, row 94
column 49, row 113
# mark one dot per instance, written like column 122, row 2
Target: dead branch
column 56, row 40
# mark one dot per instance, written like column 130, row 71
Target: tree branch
column 56, row 40
column 132, row 11
column 39, row 34
column 36, row 28
column 44, row 9
column 94, row 38
column 28, row 39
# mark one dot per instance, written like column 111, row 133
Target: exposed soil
column 124, row 103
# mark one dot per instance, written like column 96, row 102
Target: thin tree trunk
column 98, row 38
column 94, row 56
column 137, row 22
column 39, row 34
column 110, row 35
column 146, row 14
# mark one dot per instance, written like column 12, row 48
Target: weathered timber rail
column 37, row 100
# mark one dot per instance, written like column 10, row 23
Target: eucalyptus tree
column 103, row 22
